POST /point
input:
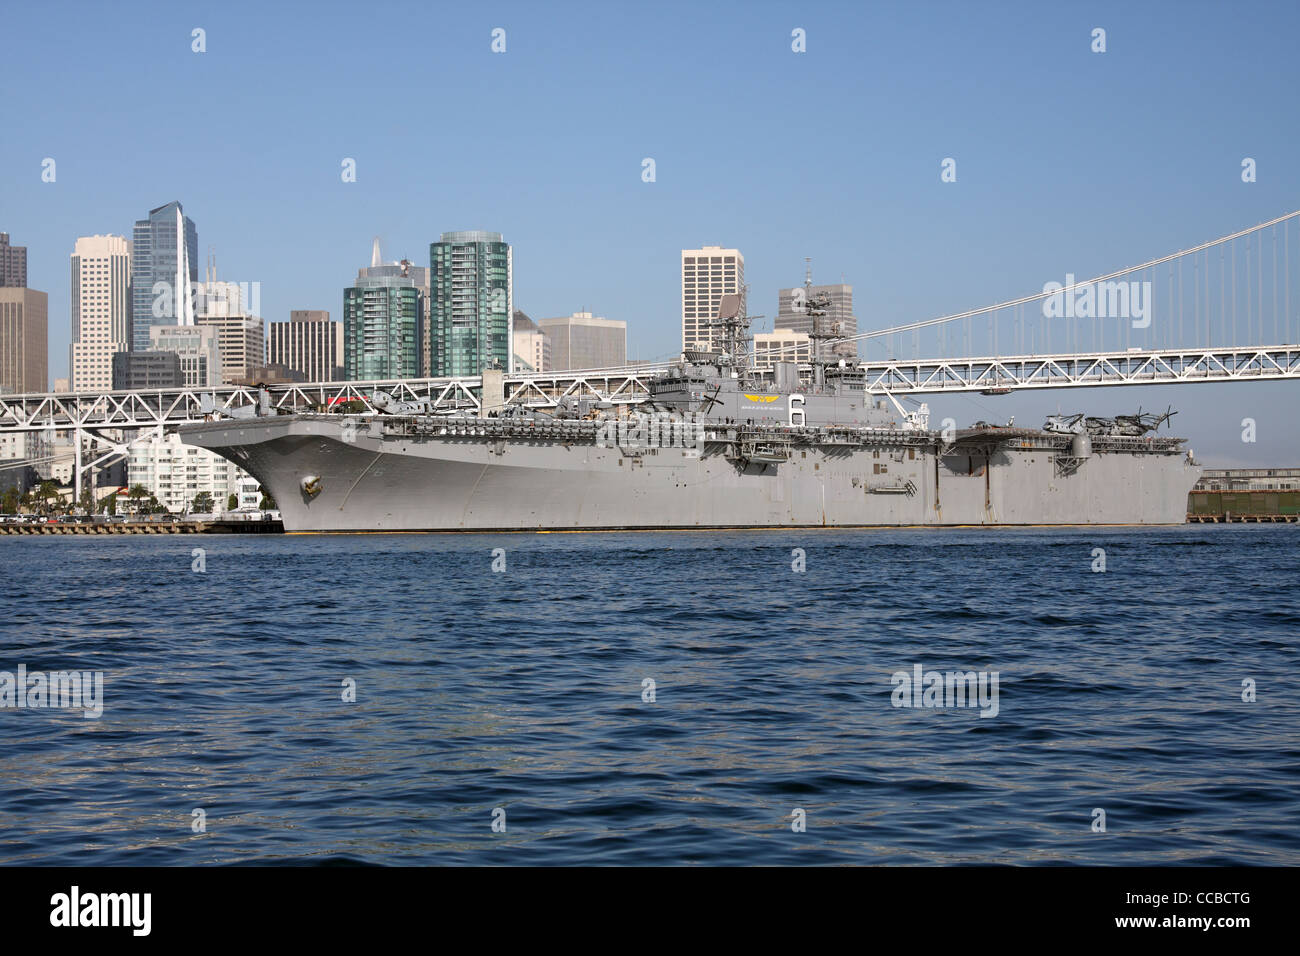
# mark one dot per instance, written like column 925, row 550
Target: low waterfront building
column 1246, row 494
column 176, row 473
column 20, row 453
column 1249, row 479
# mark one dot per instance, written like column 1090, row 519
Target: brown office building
column 309, row 343
column 24, row 340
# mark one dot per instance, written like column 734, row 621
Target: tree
column 87, row 502
column 137, row 493
column 232, row 503
column 203, row 503
column 110, row 504
column 267, row 503
column 47, row 493
column 9, row 501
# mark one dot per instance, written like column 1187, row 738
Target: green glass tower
column 472, row 276
column 381, row 328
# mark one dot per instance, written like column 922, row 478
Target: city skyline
column 868, row 203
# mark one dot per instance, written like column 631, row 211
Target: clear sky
column 1068, row 160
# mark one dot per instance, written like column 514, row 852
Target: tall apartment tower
column 708, row 274
column 101, row 309
column 164, row 272
column 13, row 264
column 793, row 313
column 383, row 320
column 309, row 343
column 422, row 277
column 471, row 316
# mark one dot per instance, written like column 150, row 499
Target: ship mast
column 821, row 327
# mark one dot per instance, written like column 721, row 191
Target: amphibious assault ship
column 716, row 444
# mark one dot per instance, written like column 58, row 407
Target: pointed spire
column 375, row 259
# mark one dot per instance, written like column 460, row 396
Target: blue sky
column 1068, row 161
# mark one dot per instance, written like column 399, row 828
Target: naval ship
column 715, row 444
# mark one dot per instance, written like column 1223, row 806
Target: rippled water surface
column 523, row 690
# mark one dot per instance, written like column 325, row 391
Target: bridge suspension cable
column 1038, row 296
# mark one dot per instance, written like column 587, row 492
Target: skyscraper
column 197, row 347
column 839, row 320
column 24, row 337
column 708, row 274
column 133, row 371
column 421, row 276
column 13, row 264
column 471, row 324
column 388, row 326
column 308, row 343
column 241, row 339
column 583, row 340
column 382, row 320
column 164, row 272
column 101, row 309
column 24, row 325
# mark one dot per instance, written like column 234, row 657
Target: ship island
column 716, row 444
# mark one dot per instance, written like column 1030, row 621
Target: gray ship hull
column 372, row 476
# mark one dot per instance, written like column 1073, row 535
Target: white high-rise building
column 708, row 274
column 101, row 309
column 176, row 473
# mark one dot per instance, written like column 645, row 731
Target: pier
column 145, row 527
column 1230, row 518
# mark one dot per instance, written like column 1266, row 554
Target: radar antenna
column 734, row 323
